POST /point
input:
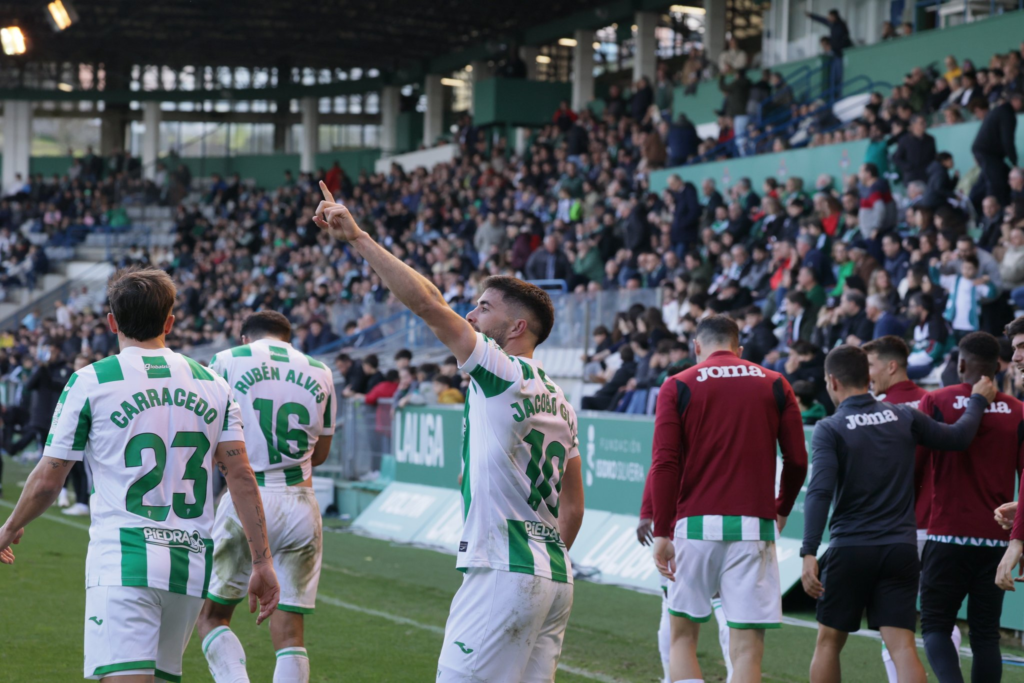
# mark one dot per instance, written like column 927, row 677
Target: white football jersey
column 148, row 422
column 520, row 432
column 287, row 401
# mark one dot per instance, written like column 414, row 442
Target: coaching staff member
column 864, row 458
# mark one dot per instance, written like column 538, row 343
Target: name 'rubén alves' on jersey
column 287, row 402
column 520, row 433
column 148, row 422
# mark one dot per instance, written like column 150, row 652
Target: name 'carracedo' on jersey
column 287, row 402
column 520, row 432
column 148, row 422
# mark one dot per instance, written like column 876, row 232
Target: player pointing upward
column 151, row 423
column 287, row 402
column 521, row 485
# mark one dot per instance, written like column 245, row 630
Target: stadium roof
column 385, row 34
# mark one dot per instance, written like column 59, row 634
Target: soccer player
column 965, row 543
column 713, row 479
column 522, row 488
column 888, row 358
column 645, row 535
column 864, row 457
column 288, row 410
column 151, row 423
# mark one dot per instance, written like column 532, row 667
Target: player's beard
column 499, row 335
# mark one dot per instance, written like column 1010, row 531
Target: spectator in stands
column 995, row 142
column 403, row 359
column 642, row 99
column 712, row 199
column 686, row 214
column 548, row 263
column 682, row 141
column 319, row 336
column 737, row 94
column 888, row 31
column 605, row 397
column 1016, row 182
column 352, row 372
column 915, row 151
column 800, row 319
column 386, row 388
column 877, row 213
column 756, row 335
column 447, row 390
column 897, row 260
column 564, row 116
column 966, row 294
column 855, row 327
column 839, row 33
column 991, row 224
column 941, row 185
column 732, row 58
column 886, row 323
column 806, row 397
column 41, row 395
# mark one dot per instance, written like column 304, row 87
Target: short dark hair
column 141, row 299
column 372, row 361
column 799, row 298
column 391, row 376
column 872, row 169
column 343, row 357
column 665, row 346
column 849, row 365
column 1014, row 328
column 600, row 329
column 403, row 353
column 263, row 323
column 450, row 360
column 856, row 297
column 981, row 350
column 718, row 329
column 804, row 391
column 972, row 259
column 626, row 354
column 889, row 347
column 943, row 156
column 640, row 339
column 528, row 296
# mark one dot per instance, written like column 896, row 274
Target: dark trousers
column 80, row 482
column 996, row 175
column 951, row 573
column 28, row 435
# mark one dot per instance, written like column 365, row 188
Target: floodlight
column 61, row 14
column 12, row 40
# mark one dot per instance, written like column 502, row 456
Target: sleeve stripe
column 82, row 430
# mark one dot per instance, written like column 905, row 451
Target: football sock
column 225, row 655
column 723, row 636
column 292, row 666
column 890, row 666
column 691, row 680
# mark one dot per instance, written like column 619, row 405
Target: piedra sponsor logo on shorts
column 728, row 371
column 538, row 531
column 961, row 402
column 174, row 538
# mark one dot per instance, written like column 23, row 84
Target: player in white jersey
column 521, row 485
column 150, row 423
column 288, row 409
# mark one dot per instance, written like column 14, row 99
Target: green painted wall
column 410, row 131
column 888, row 61
column 517, row 102
column 267, row 169
column 835, row 160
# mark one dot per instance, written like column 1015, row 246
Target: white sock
column 691, row 680
column 723, row 636
column 225, row 655
column 292, row 666
column 890, row 666
column 957, row 639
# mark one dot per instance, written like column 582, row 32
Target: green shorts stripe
column 261, row 478
column 124, row 666
column 684, row 615
column 208, row 560
column 222, row 601
column 295, row 610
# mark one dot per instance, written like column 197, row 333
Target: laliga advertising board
column 424, row 505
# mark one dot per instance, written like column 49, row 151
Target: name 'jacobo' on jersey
column 287, row 402
column 148, row 422
column 520, row 432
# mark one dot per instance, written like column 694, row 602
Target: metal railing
column 362, row 442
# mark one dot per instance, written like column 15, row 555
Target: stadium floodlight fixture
column 12, row 40
column 686, row 9
column 451, row 82
column 61, row 14
column 543, row 59
column 66, row 87
column 567, row 42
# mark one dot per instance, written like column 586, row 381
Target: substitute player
column 864, row 458
column 150, row 423
column 713, row 478
column 288, row 409
column 888, row 359
column 965, row 544
column 521, row 486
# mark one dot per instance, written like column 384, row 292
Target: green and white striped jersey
column 148, row 422
column 287, row 401
column 520, row 432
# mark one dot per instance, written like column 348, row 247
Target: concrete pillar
column 783, row 30
column 310, row 134
column 645, row 61
column 433, row 118
column 528, row 53
column 150, row 138
column 583, row 69
column 714, row 28
column 17, row 140
column 390, row 103
column 481, row 71
column 113, row 126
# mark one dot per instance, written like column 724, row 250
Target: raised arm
column 957, row 436
column 415, row 291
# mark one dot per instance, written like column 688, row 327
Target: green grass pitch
column 380, row 618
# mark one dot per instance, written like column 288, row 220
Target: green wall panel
column 517, row 102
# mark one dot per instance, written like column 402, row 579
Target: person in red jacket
column 965, row 543
column 887, row 364
column 713, row 485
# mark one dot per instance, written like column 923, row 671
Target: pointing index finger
column 327, row 193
